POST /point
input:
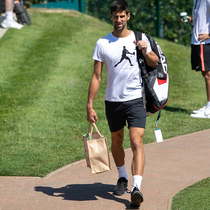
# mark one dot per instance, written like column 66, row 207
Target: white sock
column 122, row 172
column 137, row 180
column 208, row 105
column 9, row 15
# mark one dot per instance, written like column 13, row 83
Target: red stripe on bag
column 161, row 106
column 202, row 58
column 162, row 81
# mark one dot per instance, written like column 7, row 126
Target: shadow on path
column 84, row 192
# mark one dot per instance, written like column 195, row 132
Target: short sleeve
column 98, row 53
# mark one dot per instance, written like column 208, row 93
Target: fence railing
column 78, row 5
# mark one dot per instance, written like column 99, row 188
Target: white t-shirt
column 123, row 73
column 201, row 16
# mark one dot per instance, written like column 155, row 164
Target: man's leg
column 137, row 165
column 117, row 147
column 9, row 4
column 138, row 162
column 119, row 158
column 206, row 75
column 205, row 111
column 9, row 22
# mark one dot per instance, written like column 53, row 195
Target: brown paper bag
column 96, row 151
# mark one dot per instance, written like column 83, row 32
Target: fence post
column 80, row 6
column 158, row 19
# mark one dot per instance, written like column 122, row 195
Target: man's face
column 119, row 19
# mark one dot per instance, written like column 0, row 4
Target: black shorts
column 200, row 57
column 117, row 113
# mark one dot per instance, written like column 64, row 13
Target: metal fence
column 158, row 18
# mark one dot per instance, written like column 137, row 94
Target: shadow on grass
column 84, row 192
column 173, row 109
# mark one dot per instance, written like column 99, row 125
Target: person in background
column 123, row 98
column 9, row 21
column 200, row 48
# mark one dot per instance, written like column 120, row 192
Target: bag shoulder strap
column 142, row 66
column 158, row 120
column 140, row 57
column 138, row 36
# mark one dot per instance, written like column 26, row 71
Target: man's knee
column 206, row 75
column 136, row 145
column 136, row 138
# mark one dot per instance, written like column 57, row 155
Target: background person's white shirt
column 123, row 73
column 202, row 21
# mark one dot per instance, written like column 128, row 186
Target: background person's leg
column 9, row 22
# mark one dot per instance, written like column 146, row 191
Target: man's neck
column 121, row 34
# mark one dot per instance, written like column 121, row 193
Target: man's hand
column 91, row 115
column 151, row 58
column 203, row 37
column 142, row 45
column 189, row 19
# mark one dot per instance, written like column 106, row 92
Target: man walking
column 200, row 48
column 123, row 98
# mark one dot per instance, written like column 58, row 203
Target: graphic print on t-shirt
column 124, row 56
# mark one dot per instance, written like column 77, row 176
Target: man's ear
column 128, row 16
column 111, row 16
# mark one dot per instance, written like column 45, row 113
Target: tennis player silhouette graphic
column 124, row 56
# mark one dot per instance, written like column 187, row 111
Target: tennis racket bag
column 155, row 80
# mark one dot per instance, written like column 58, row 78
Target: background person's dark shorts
column 2, row 6
column 200, row 57
column 117, row 113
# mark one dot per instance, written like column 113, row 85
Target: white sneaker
column 11, row 24
column 205, row 113
column 199, row 110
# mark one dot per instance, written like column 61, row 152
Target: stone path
column 170, row 167
column 2, row 31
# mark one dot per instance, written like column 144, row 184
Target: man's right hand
column 189, row 20
column 91, row 115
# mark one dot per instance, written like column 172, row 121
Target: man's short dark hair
column 119, row 5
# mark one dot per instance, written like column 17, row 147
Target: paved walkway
column 170, row 167
column 2, row 31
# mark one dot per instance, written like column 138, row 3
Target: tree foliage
column 144, row 17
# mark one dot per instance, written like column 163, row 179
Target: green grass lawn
column 45, row 73
column 194, row 197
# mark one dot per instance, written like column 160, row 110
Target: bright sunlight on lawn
column 45, row 74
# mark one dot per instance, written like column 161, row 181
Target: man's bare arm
column 93, row 89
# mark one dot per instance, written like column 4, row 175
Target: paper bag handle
column 91, row 132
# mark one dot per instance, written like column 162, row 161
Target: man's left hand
column 203, row 37
column 142, row 45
